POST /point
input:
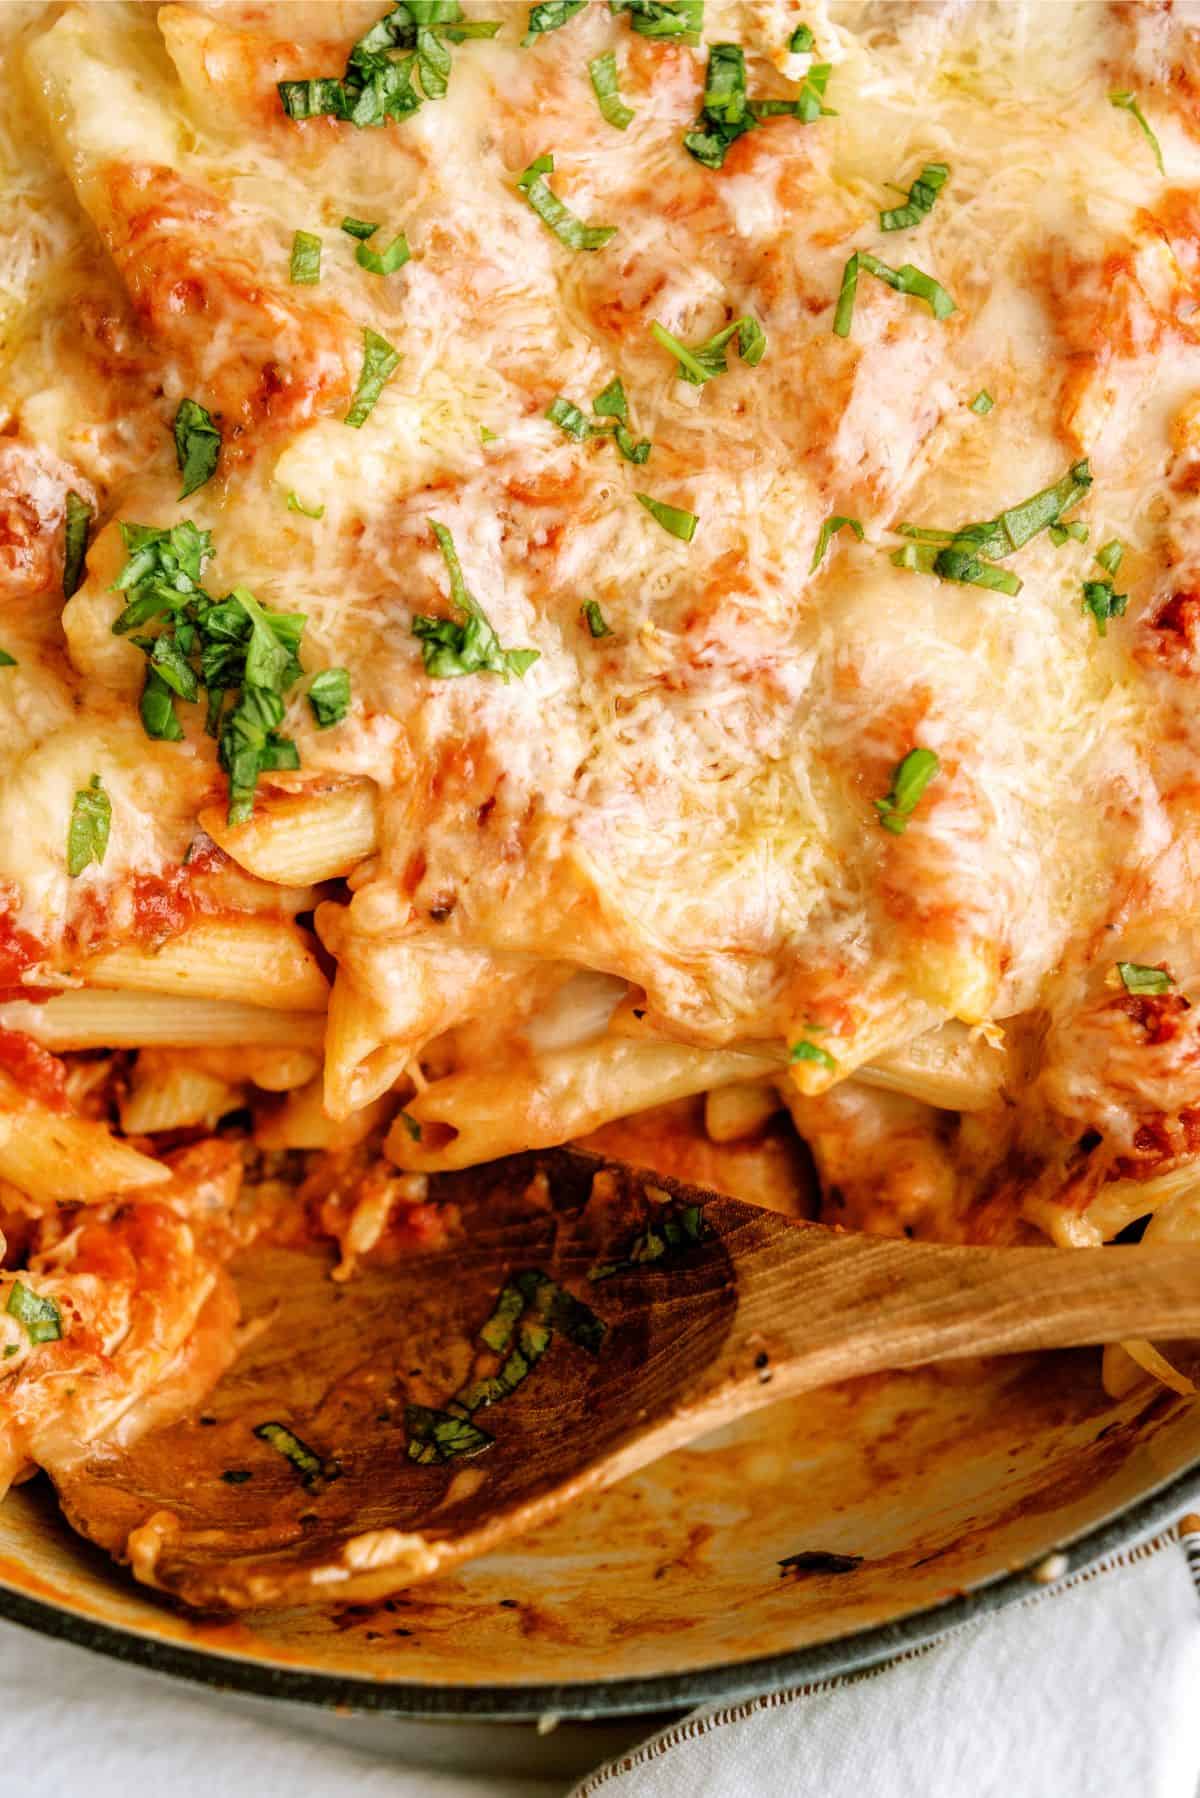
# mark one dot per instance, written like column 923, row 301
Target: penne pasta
column 478, row 1115
column 360, row 1063
column 731, row 1112
column 298, row 838
column 60, row 1160
column 302, row 1122
column 168, row 1092
column 91, row 1018
column 259, row 961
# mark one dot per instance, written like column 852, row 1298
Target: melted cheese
column 686, row 805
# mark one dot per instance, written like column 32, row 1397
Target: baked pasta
column 562, row 561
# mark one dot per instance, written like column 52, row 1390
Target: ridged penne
column 297, row 838
column 92, row 1018
column 258, row 961
column 168, row 1092
column 57, row 1160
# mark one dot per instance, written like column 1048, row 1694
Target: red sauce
column 37, row 1073
column 18, row 952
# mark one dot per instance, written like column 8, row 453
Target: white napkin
column 1090, row 1689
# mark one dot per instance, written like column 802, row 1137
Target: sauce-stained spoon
column 580, row 1320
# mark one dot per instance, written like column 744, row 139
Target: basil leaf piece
column 910, row 280
column 377, row 85
column 39, row 1317
column 843, row 316
column 7, row 661
column 912, row 775
column 450, row 648
column 433, row 64
column 806, row 1051
column 197, row 446
column 610, row 402
column 1129, row 103
column 603, row 73
column 360, row 228
column 999, row 537
column 1103, row 604
column 682, row 20
column 679, row 523
column 329, row 696
column 567, row 416
column 304, row 270
column 387, row 261
column 1074, row 529
column 157, row 710
column 1136, row 977
column 87, row 835
column 306, row 1461
column 725, row 111
column 801, row 41
column 707, row 360
column 78, row 526
column 296, row 504
column 550, row 15
column 1110, row 555
column 982, row 404
column 632, row 450
column 593, row 617
column 829, row 530
column 555, row 215
column 955, row 564
column 380, row 362
column 809, row 104
column 921, row 197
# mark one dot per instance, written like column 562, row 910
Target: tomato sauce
column 38, row 1074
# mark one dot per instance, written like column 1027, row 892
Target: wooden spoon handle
column 815, row 1306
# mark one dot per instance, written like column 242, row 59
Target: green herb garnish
column 304, row 270
column 682, row 20
column 380, row 362
column 296, row 504
column 406, row 46
column 909, row 781
column 611, row 403
column 921, row 196
column 40, row 1317
column 1110, row 555
column 593, row 617
column 550, row 15
column 1103, row 604
column 1137, row 978
column 1129, row 103
column 360, row 228
column 905, row 279
column 806, row 1051
column 809, row 104
column 78, row 526
column 197, row 446
column 451, row 648
column 87, row 836
column 801, row 41
column 725, row 112
column 829, row 530
column 706, row 360
column 555, row 215
column 603, row 73
column 982, row 404
column 679, row 523
column 329, row 696
column 7, row 661
column 306, row 1461
column 996, row 537
column 676, row 1228
column 384, row 262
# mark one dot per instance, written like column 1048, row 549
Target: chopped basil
column 1103, row 604
column 387, row 262
column 87, row 836
column 1137, row 978
column 549, row 15
column 567, row 416
column 905, row 279
column 380, row 362
column 1129, row 103
column 306, row 1461
column 79, row 524
column 378, row 84
column 197, row 446
column 909, row 781
column 679, row 19
column 982, row 404
column 725, row 112
column 329, row 696
column 921, row 196
column 610, row 402
column 296, row 504
column 603, row 73
column 486, row 436
column 556, row 216
column 360, row 228
column 1011, row 530
column 963, row 565
column 706, row 360
column 593, row 617
column 1073, row 529
column 809, row 104
column 801, row 41
column 829, row 530
column 679, row 523
column 157, row 710
column 1110, row 555
column 449, row 648
column 676, row 1228
column 39, row 1317
column 7, row 661
column 304, row 270
column 806, row 1051
column 440, row 1436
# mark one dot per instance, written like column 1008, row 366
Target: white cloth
column 1091, row 1687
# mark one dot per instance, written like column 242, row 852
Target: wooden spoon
column 581, row 1320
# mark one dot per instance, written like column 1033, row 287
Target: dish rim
column 594, row 1700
